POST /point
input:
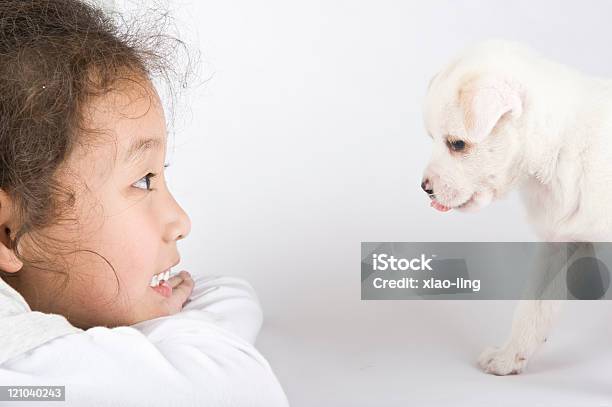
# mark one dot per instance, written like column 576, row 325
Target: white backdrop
column 308, row 139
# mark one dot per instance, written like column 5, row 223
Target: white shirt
column 201, row 356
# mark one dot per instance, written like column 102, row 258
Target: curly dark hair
column 56, row 57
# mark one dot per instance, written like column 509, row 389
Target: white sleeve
column 232, row 301
column 201, row 356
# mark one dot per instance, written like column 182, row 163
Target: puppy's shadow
column 572, row 379
column 547, row 360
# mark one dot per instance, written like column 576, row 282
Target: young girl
column 89, row 296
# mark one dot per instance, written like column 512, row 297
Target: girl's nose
column 180, row 224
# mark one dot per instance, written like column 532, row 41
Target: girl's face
column 126, row 216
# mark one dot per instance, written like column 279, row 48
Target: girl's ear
column 8, row 260
column 484, row 99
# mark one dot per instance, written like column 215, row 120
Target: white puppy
column 502, row 116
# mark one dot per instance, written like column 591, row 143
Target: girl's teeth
column 159, row 278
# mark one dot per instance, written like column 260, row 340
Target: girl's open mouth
column 159, row 283
column 163, row 288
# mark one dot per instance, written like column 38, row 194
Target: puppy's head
column 471, row 115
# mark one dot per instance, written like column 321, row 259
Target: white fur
column 530, row 123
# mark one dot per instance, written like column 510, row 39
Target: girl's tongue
column 164, row 289
column 437, row 205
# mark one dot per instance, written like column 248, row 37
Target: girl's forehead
column 130, row 118
column 127, row 109
column 122, row 127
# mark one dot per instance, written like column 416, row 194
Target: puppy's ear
column 431, row 80
column 484, row 99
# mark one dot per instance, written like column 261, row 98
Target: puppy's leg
column 530, row 326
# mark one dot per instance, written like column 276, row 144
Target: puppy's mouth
column 443, row 208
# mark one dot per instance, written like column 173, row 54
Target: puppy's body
column 502, row 116
column 567, row 185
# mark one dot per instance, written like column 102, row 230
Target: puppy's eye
column 456, row 145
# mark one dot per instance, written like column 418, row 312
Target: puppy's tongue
column 437, row 205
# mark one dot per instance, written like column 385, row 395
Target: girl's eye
column 456, row 145
column 146, row 180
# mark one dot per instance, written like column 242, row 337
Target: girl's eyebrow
column 140, row 146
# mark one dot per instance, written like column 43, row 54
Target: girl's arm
column 201, row 356
column 230, row 301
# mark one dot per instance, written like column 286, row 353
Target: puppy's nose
column 427, row 186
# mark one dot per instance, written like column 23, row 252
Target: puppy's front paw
column 502, row 361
